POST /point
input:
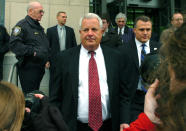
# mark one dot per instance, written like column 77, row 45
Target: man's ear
column 134, row 30
column 172, row 22
column 102, row 31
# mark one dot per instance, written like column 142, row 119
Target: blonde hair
column 12, row 107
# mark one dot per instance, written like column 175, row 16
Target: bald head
column 33, row 5
column 35, row 10
column 177, row 20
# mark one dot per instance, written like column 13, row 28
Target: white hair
column 120, row 15
column 32, row 5
column 90, row 16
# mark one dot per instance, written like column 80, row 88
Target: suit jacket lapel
column 67, row 35
column 134, row 53
column 153, row 47
column 56, row 33
column 75, row 72
column 108, row 67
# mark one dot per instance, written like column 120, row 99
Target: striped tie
column 143, row 53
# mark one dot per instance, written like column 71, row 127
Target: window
column 95, row 6
column 2, row 11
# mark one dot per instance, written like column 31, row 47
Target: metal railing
column 13, row 69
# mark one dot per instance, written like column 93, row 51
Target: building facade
column 11, row 11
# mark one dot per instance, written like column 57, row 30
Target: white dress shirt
column 139, row 48
column 83, row 89
column 122, row 30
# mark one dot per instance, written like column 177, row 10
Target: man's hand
column 40, row 96
column 151, row 103
column 123, row 126
column 27, row 110
column 47, row 65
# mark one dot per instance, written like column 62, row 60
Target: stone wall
column 15, row 10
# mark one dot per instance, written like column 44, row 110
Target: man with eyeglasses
column 61, row 37
column 176, row 22
column 125, row 33
column 31, row 47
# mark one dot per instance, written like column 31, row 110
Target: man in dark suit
column 110, row 37
column 60, row 37
column 126, row 33
column 142, row 30
column 85, row 108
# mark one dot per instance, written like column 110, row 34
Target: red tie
column 95, row 107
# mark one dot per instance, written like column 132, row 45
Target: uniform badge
column 17, row 31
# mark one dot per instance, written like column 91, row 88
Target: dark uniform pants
column 30, row 75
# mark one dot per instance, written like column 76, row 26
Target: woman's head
column 173, row 113
column 175, row 53
column 171, row 105
column 12, row 107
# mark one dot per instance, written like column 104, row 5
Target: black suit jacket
column 127, row 36
column 66, row 81
column 53, row 38
column 131, row 49
column 111, row 39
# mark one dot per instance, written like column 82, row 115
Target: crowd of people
column 96, row 85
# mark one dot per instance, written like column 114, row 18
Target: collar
column 122, row 29
column 33, row 23
column 138, row 43
column 85, row 51
column 59, row 26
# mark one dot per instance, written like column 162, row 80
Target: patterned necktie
column 95, row 107
column 143, row 53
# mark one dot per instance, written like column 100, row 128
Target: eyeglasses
column 179, row 19
column 104, row 22
column 121, row 21
column 64, row 16
column 41, row 11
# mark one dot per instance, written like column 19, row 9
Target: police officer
column 30, row 44
column 4, row 39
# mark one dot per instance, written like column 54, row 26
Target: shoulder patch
column 17, row 30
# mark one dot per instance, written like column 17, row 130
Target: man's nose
column 145, row 31
column 90, row 32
